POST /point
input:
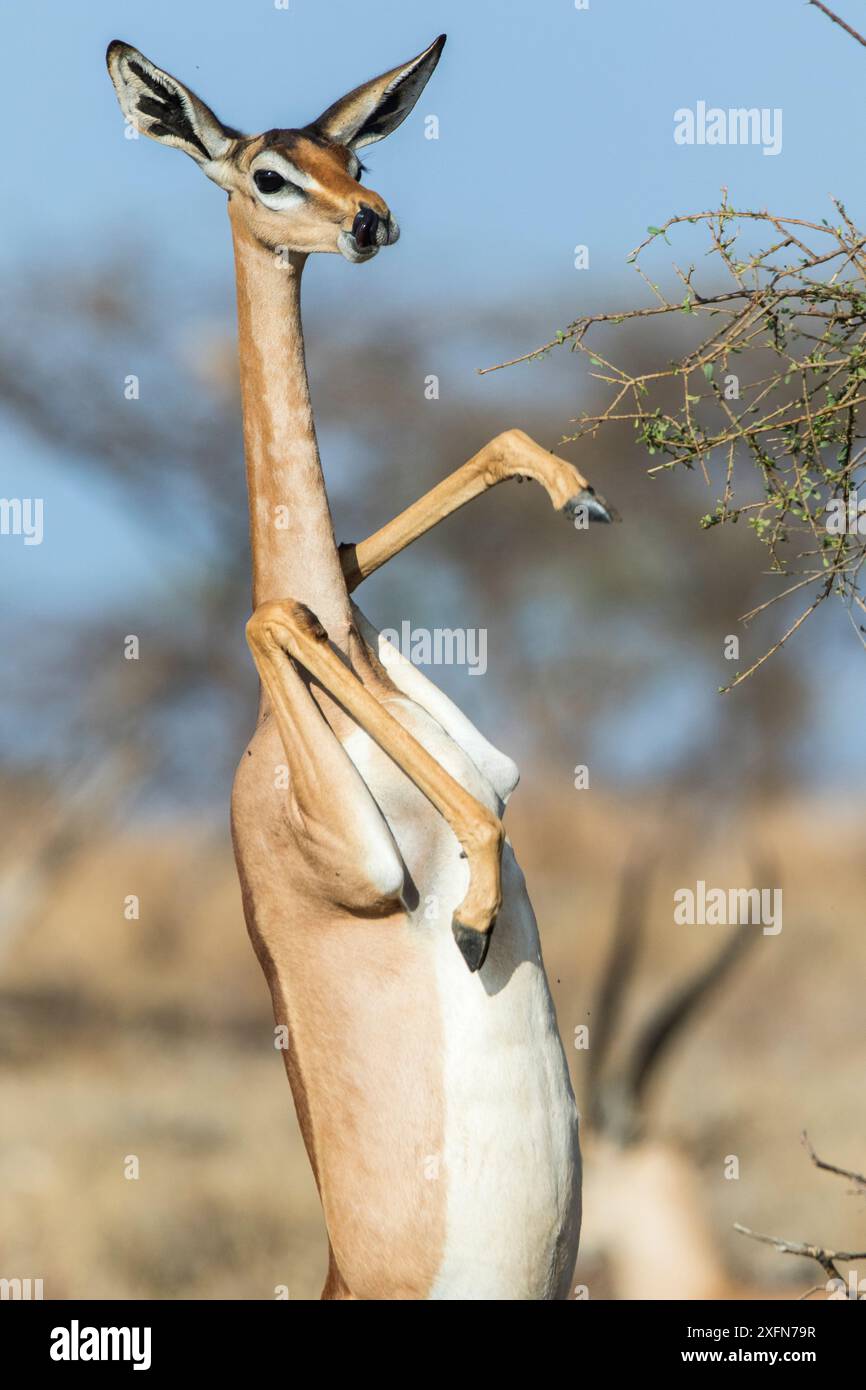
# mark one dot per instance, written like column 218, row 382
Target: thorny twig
column 836, row 20
column 857, row 1178
column 777, row 377
column 825, row 1258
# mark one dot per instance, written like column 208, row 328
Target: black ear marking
column 167, row 107
column 373, row 110
column 378, row 122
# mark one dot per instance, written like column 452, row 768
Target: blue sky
column 556, row 125
column 555, row 128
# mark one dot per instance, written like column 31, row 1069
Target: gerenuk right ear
column 163, row 108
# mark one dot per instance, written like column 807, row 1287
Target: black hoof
column 473, row 944
column 595, row 506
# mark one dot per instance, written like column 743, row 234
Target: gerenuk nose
column 365, row 226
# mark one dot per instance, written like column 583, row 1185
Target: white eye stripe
column 284, row 167
column 286, row 198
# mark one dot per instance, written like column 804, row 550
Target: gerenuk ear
column 165, row 109
column 373, row 110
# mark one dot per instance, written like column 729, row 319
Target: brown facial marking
column 329, row 206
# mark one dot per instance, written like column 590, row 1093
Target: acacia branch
column 798, row 306
column 825, row 1258
column 857, row 1178
column 836, row 20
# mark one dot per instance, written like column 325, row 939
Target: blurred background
column 153, row 1036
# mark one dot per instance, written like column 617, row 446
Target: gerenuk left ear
column 372, row 111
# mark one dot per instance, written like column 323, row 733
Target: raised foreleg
column 284, row 632
column 509, row 455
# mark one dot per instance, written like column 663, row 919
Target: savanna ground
column 154, row 1038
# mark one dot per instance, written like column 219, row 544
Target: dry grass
column 154, row 1038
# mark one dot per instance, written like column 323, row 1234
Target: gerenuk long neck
column 291, row 533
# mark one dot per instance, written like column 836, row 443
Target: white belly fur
column 511, row 1161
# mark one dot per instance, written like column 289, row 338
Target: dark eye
column 268, row 181
column 362, row 169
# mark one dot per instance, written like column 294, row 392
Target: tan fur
column 282, row 457
column 332, row 201
column 511, row 454
column 368, row 1097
